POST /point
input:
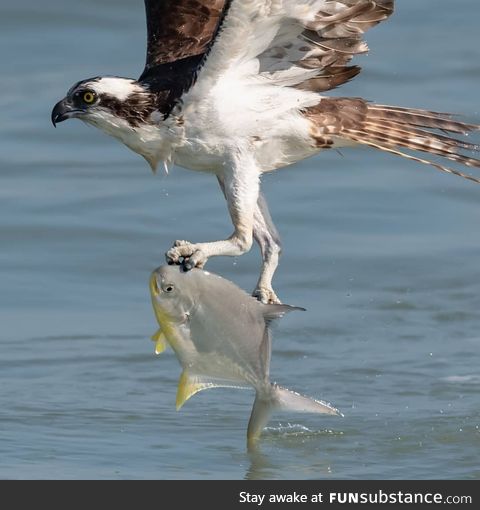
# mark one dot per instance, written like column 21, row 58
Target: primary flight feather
column 236, row 88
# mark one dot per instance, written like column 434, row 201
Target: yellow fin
column 188, row 385
column 160, row 342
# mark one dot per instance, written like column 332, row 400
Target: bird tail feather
column 396, row 130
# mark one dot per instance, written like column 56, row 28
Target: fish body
column 221, row 337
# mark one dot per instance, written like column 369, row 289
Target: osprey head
column 89, row 99
column 122, row 108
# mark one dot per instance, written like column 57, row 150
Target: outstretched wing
column 306, row 44
column 180, row 33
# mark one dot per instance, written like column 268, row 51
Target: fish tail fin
column 289, row 400
column 283, row 399
column 262, row 409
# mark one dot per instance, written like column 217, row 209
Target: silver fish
column 221, row 337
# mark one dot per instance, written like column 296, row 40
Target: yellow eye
column 88, row 97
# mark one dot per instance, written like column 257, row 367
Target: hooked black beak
column 63, row 110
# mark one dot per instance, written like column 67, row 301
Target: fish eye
column 89, row 97
column 169, row 288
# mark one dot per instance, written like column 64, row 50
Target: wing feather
column 178, row 29
column 306, row 44
column 179, row 35
column 328, row 42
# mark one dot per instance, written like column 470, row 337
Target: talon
column 186, row 255
column 197, row 259
column 172, row 257
column 179, row 253
column 266, row 295
column 187, row 264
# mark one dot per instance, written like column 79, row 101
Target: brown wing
column 179, row 29
column 179, row 33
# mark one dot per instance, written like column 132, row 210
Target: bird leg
column 267, row 237
column 241, row 188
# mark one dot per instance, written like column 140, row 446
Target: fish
column 222, row 337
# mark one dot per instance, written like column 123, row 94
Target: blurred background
column 384, row 254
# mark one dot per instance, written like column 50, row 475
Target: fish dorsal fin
column 160, row 342
column 271, row 312
column 190, row 384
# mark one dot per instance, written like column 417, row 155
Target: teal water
column 382, row 252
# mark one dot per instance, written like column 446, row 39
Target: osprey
column 235, row 88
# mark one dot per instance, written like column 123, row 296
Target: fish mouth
column 64, row 110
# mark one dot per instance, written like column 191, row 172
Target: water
column 384, row 254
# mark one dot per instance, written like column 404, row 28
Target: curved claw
column 187, row 265
column 266, row 296
column 187, row 255
column 196, row 259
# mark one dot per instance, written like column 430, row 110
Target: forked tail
column 281, row 398
column 393, row 129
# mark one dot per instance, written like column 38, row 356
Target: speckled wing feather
column 323, row 43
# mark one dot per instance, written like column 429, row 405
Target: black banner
column 226, row 495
